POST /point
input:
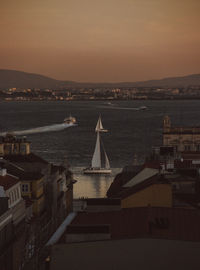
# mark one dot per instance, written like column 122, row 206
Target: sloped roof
column 21, row 173
column 57, row 168
column 141, row 176
column 30, row 176
column 13, row 169
column 134, row 222
column 127, row 254
column 25, row 158
column 8, row 181
column 122, row 178
column 126, row 192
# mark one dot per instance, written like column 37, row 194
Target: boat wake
column 124, row 108
column 50, row 128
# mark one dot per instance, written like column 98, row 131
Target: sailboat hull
column 97, row 171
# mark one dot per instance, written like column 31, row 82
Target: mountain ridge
column 21, row 79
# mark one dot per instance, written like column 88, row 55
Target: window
column 15, row 195
column 12, row 197
column 7, row 149
column 22, row 149
column 198, row 147
column 15, row 149
column 187, row 147
column 9, row 200
column 17, row 190
column 24, row 187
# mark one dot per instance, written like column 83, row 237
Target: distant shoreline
column 108, row 100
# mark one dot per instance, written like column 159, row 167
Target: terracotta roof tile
column 8, row 181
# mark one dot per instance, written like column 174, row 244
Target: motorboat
column 70, row 120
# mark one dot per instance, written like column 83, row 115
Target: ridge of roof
column 141, row 176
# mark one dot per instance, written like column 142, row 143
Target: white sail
column 99, row 126
column 96, row 166
column 107, row 163
column 96, row 159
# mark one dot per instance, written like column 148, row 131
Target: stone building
column 11, row 145
column 181, row 138
column 10, row 186
column 47, row 192
column 6, row 233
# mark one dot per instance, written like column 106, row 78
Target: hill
column 184, row 81
column 19, row 79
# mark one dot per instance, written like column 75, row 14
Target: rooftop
column 142, row 176
column 30, row 158
column 152, row 254
column 156, row 222
column 8, row 181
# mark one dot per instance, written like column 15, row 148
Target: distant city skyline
column 101, row 41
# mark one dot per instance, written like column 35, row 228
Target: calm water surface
column 130, row 132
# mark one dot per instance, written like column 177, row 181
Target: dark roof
column 21, row 173
column 152, row 164
column 146, row 183
column 13, row 169
column 189, row 198
column 103, row 201
column 190, row 155
column 118, row 191
column 30, row 158
column 8, row 181
column 121, row 179
column 55, row 168
column 30, row 176
column 116, row 188
column 80, row 229
column 156, row 222
column 179, row 177
column 123, row 223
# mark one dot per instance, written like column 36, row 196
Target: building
column 11, row 186
column 11, row 145
column 152, row 254
column 6, row 233
column 146, row 187
column 44, row 189
column 32, row 187
column 181, row 138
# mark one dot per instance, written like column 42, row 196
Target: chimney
column 2, row 192
column 3, row 172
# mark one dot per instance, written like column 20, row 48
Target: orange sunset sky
column 101, row 40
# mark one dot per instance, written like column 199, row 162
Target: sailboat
column 97, row 162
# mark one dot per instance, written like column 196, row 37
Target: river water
column 131, row 131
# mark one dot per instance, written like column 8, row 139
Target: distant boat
column 96, row 166
column 110, row 104
column 70, row 120
column 141, row 108
column 67, row 122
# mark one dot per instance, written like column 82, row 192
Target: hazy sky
column 101, row 40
